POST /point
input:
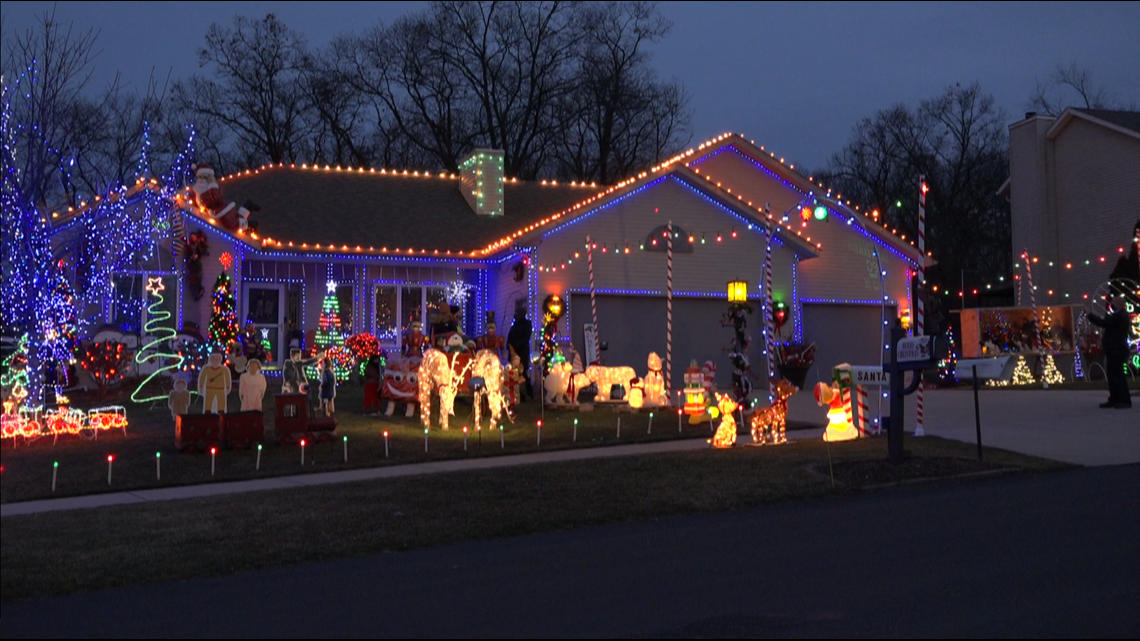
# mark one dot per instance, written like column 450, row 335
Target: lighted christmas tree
column 1051, row 375
column 223, row 324
column 330, row 336
column 14, row 376
column 1022, row 375
column 154, row 350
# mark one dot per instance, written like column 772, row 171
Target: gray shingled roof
column 387, row 210
column 1126, row 119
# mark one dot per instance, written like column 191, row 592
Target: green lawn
column 27, row 468
column 60, row 553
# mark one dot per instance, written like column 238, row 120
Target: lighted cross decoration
column 330, row 287
column 154, row 285
column 226, row 259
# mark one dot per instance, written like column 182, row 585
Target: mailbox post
column 912, row 354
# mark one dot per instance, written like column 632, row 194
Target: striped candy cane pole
column 921, row 316
column 593, row 299
column 669, row 309
column 1036, row 318
column 769, row 313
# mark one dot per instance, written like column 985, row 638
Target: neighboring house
column 1074, row 191
column 392, row 241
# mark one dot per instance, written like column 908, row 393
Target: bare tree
column 1071, row 86
column 620, row 117
column 255, row 91
column 958, row 140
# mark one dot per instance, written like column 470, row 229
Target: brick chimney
column 481, row 181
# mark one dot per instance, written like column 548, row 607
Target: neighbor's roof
column 1125, row 122
column 385, row 211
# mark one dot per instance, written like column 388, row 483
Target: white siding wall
column 1033, row 217
column 846, row 268
column 1097, row 187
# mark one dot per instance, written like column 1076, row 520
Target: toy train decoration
column 242, row 430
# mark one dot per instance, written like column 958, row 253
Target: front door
column 265, row 311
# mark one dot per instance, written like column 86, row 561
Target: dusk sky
column 795, row 77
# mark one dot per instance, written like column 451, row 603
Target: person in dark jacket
column 1117, row 325
column 519, row 339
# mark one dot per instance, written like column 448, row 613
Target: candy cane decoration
column 921, row 316
column 669, row 309
column 769, row 312
column 1036, row 318
column 593, row 298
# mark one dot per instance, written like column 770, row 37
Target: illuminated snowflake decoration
column 458, row 292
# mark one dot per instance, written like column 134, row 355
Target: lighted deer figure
column 725, row 436
column 436, row 374
column 772, row 422
column 486, row 365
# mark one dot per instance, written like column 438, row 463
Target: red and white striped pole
column 669, row 310
column 1036, row 318
column 593, row 298
column 920, row 317
column 769, row 312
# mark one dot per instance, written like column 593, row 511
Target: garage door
column 844, row 334
column 635, row 325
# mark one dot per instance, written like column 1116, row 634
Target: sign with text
column 988, row 368
column 590, row 337
column 917, row 348
column 870, row 376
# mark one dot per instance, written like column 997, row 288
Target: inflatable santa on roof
column 207, row 196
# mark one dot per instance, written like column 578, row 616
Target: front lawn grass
column 65, row 552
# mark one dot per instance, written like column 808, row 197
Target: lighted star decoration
column 330, row 287
column 264, row 333
column 154, row 285
column 226, row 259
column 457, row 293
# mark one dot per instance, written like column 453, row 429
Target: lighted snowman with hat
column 207, row 196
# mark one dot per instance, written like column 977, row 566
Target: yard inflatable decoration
column 839, row 428
column 401, row 385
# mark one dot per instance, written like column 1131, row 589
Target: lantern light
column 738, row 291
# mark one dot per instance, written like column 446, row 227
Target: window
column 398, row 306
column 130, row 309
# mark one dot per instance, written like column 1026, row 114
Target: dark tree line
column 959, row 141
column 565, row 89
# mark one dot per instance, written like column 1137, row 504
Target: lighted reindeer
column 486, row 365
column 436, row 375
column 725, row 436
column 772, row 422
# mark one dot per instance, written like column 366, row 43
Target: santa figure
column 207, row 196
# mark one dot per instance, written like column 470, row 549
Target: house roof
column 1125, row 122
column 387, row 211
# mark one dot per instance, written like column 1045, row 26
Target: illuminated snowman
column 839, row 428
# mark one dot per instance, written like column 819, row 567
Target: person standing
column 328, row 388
column 519, row 338
column 1117, row 325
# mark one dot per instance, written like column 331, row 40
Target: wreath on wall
column 197, row 247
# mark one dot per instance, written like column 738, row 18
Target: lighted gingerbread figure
column 179, row 400
column 513, row 376
column 491, row 341
column 770, row 424
column 214, row 384
column 207, row 196
column 838, row 427
column 251, row 387
column 725, row 436
column 414, row 342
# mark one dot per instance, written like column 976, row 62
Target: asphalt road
column 1029, row 555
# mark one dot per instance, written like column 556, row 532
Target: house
column 1074, row 181
column 390, row 243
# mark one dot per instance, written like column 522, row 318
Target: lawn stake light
column 302, row 452
column 110, row 460
column 346, row 449
column 258, row 467
column 680, row 412
column 619, row 427
column 650, row 431
column 464, row 438
column 385, row 443
column 158, row 466
column 54, row 474
column 575, row 430
column 214, row 459
column 502, row 438
column 540, row 433
column 425, row 440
